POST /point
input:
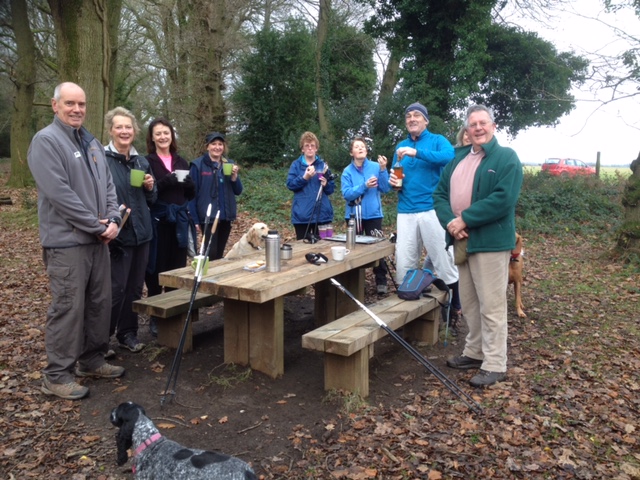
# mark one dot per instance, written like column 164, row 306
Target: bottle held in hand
column 397, row 171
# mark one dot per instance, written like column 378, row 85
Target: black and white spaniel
column 157, row 457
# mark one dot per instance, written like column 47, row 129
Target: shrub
column 582, row 204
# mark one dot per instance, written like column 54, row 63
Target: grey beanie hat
column 420, row 108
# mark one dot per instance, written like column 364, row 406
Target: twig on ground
column 250, row 428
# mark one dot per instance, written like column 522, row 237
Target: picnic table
column 254, row 301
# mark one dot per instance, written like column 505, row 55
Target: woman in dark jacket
column 218, row 188
column 170, row 215
column 130, row 250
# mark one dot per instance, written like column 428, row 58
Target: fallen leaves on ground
column 569, row 408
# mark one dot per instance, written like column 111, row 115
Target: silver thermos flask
column 351, row 233
column 273, row 251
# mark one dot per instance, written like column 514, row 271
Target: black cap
column 214, row 136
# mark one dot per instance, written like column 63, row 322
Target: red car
column 567, row 167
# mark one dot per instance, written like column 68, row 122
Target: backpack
column 414, row 283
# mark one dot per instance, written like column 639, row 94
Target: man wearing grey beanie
column 423, row 155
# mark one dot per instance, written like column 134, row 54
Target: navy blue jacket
column 213, row 187
column 305, row 193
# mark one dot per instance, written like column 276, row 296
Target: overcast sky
column 614, row 129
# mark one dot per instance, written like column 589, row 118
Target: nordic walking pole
column 175, row 366
column 453, row 387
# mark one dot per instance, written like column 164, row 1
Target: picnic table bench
column 347, row 343
column 171, row 309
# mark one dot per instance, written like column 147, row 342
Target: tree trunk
column 84, row 31
column 323, row 29
column 390, row 76
column 25, row 74
column 629, row 233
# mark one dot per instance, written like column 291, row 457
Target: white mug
column 338, row 253
column 181, row 174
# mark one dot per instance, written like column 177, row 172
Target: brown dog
column 516, row 265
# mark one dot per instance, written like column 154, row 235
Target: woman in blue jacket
column 309, row 180
column 215, row 188
column 363, row 181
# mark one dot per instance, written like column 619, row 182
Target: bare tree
column 24, row 75
column 86, row 33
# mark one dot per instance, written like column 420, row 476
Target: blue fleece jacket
column 422, row 172
column 353, row 186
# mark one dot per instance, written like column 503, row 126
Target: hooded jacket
column 305, row 194
column 496, row 187
column 75, row 187
column 137, row 229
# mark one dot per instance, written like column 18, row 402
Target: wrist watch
column 115, row 220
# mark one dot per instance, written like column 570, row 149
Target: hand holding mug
column 372, row 182
column 148, row 182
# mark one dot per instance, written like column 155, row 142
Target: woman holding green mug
column 129, row 251
column 217, row 183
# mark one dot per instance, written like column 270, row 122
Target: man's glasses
column 482, row 124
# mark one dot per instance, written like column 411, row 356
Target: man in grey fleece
column 78, row 215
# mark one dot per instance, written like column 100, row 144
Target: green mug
column 194, row 264
column 227, row 168
column 137, row 177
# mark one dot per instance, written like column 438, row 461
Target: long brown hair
column 151, row 146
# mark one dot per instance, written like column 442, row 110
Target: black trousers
column 219, row 240
column 128, row 265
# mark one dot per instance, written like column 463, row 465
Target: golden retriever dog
column 250, row 242
column 516, row 266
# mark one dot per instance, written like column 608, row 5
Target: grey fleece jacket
column 75, row 188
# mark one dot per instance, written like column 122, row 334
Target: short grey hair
column 56, row 91
column 478, row 108
column 123, row 112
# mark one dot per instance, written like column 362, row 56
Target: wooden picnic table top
column 228, row 279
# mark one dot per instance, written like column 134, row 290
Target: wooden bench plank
column 172, row 303
column 348, row 342
column 172, row 308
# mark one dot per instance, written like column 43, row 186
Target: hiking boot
column 382, row 289
column 106, row 370
column 131, row 342
column 464, row 363
column 153, row 327
column 485, row 379
column 111, row 353
column 69, row 391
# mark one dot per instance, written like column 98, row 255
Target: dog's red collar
column 147, row 443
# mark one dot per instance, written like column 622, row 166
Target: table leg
column 331, row 304
column 254, row 335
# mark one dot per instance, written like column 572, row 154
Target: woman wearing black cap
column 218, row 185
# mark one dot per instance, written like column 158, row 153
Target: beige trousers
column 483, row 294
